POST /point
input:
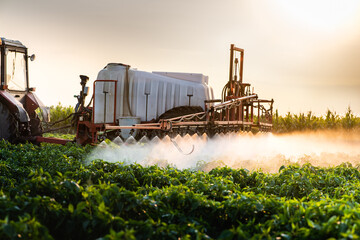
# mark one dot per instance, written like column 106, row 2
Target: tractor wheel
column 180, row 111
column 177, row 112
column 35, row 126
column 8, row 124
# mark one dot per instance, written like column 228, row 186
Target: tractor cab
column 14, row 66
column 18, row 103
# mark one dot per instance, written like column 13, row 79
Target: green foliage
column 58, row 113
column 49, row 192
column 300, row 122
column 25, row 227
column 67, row 136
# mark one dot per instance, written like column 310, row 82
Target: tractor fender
column 33, row 102
column 14, row 106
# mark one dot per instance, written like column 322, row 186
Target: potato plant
column 51, row 192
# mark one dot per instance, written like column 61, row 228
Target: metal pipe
column 115, row 100
column 105, row 107
column 241, row 65
column 247, row 113
column 147, row 96
column 259, row 113
column 232, row 46
column 184, row 116
column 27, row 70
column 238, row 49
column 231, row 101
column 252, row 113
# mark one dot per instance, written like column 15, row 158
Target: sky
column 304, row 54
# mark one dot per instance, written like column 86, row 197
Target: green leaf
column 259, row 207
column 71, row 208
column 102, row 207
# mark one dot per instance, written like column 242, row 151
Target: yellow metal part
column 0, row 41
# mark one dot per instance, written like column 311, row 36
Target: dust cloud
column 264, row 151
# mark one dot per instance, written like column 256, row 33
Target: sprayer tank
column 145, row 95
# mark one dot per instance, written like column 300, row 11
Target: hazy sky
column 304, row 54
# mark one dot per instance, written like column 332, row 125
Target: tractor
column 20, row 108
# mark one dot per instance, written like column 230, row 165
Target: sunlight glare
column 323, row 15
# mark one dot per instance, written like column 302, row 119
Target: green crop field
column 330, row 121
column 52, row 192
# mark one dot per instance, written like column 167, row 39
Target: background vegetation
column 282, row 124
column 300, row 122
column 58, row 113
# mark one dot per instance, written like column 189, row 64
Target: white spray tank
column 143, row 96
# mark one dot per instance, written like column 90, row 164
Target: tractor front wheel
column 8, row 124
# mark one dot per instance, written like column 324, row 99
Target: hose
column 179, row 149
column 128, row 90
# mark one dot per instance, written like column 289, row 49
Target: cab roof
column 8, row 42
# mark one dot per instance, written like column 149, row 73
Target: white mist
column 267, row 152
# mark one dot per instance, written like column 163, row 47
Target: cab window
column 16, row 70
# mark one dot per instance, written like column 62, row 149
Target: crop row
column 19, row 161
column 52, row 192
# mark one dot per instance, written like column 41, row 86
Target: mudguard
column 33, row 102
column 15, row 106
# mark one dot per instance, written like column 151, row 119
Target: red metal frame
column 52, row 140
column 91, row 129
column 209, row 117
column 187, row 120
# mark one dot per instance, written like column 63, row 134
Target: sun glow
column 322, row 15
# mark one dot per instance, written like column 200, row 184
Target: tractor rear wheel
column 8, row 124
column 177, row 112
column 180, row 111
column 35, row 126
